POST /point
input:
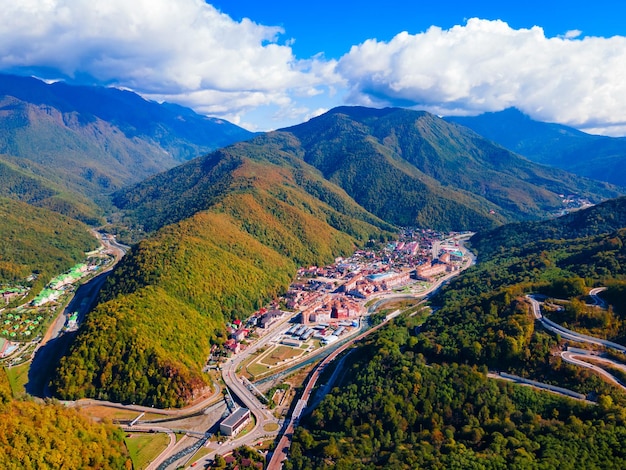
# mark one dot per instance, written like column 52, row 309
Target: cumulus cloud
column 184, row 51
column 188, row 52
column 489, row 66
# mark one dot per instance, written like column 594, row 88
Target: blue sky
column 332, row 27
column 266, row 65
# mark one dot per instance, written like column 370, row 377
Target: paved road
column 282, row 449
column 54, row 343
column 576, row 356
column 599, row 301
column 538, row 385
column 262, row 416
column 569, row 334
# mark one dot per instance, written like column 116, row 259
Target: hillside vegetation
column 485, row 320
column 168, row 300
column 230, row 229
column 36, row 436
column 26, row 182
column 392, row 410
column 412, row 168
column 34, row 240
column 406, row 167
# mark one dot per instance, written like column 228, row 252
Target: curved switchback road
column 569, row 334
column 597, row 300
column 574, row 356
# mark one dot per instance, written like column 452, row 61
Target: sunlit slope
column 169, row 299
column 36, row 240
column 30, row 183
column 47, row 435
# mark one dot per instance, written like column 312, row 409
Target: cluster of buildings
column 9, row 295
column 335, row 293
column 331, row 307
column 325, row 332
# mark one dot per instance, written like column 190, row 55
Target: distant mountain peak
column 99, row 138
column 593, row 156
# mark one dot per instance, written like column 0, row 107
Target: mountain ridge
column 594, row 156
column 98, row 139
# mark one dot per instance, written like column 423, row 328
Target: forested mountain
column 393, row 410
column 36, row 240
column 419, row 397
column 406, row 167
column 31, row 183
column 483, row 319
column 168, row 300
column 232, row 226
column 602, row 219
column 594, row 156
column 98, row 139
column 412, row 168
column 36, row 436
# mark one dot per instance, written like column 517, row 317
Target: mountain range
column 405, row 167
column 594, row 156
column 229, row 229
column 222, row 234
column 94, row 140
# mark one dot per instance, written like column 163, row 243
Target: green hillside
column 483, row 318
column 231, row 228
column 36, row 435
column 268, row 161
column 34, row 240
column 392, row 410
column 598, row 220
column 406, row 167
column 95, row 140
column 26, row 183
column 168, row 300
column 594, row 156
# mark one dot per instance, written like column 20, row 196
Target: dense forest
column 393, row 410
column 93, row 140
column 35, row 436
column 25, row 181
column 599, row 157
column 34, row 240
column 171, row 295
column 405, row 167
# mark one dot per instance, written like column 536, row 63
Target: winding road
column 576, row 356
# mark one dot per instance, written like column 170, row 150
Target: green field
column 280, row 353
column 144, row 448
column 18, row 378
column 257, row 369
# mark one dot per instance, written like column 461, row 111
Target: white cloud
column 572, row 34
column 488, row 66
column 185, row 51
